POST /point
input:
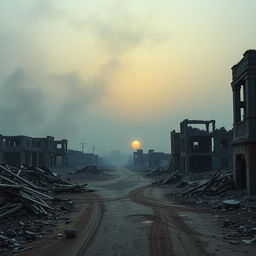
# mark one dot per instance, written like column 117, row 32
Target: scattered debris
column 28, row 207
column 171, row 178
column 215, row 190
column 156, row 172
column 250, row 241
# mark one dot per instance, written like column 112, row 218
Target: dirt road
column 131, row 217
column 127, row 216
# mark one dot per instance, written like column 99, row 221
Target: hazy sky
column 109, row 71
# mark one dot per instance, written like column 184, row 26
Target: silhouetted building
column 140, row 159
column 151, row 159
column 33, row 151
column 244, row 112
column 175, row 150
column 79, row 159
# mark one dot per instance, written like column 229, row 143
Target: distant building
column 151, row 159
column 175, row 150
column 78, row 159
column 30, row 151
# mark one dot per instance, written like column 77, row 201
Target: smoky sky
column 109, row 71
column 36, row 101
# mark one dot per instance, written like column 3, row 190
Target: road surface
column 131, row 217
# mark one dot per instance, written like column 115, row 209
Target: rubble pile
column 91, row 169
column 156, row 172
column 28, row 208
column 219, row 183
column 234, row 209
column 171, row 178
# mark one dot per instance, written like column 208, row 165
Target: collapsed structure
column 30, row 151
column 205, row 149
column 244, row 114
column 151, row 159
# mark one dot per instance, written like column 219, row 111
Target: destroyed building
column 195, row 149
column 196, row 145
column 78, row 159
column 151, row 159
column 30, row 151
column 244, row 114
column 140, row 159
column 223, row 155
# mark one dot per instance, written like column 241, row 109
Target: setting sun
column 135, row 144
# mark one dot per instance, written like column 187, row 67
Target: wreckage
column 30, row 191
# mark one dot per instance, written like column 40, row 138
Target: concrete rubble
column 28, row 206
column 233, row 210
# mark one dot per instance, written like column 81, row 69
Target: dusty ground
column 127, row 216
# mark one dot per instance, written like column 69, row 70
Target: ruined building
column 78, row 159
column 140, row 159
column 30, row 151
column 151, row 159
column 196, row 145
column 199, row 146
column 244, row 113
column 222, row 149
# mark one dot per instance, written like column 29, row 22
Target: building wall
column 244, row 114
column 32, row 151
column 197, row 150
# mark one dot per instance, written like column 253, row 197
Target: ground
column 127, row 216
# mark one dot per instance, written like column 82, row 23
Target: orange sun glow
column 135, row 144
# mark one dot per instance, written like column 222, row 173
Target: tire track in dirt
column 88, row 233
column 170, row 235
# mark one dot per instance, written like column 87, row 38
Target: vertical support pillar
column 236, row 103
column 251, row 168
column 250, row 86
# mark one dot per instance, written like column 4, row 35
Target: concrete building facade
column 196, row 145
column 30, row 151
column 195, row 149
column 244, row 115
column 223, row 155
column 151, row 159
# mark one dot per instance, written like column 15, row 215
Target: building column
column 251, row 169
column 250, row 87
column 236, row 103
